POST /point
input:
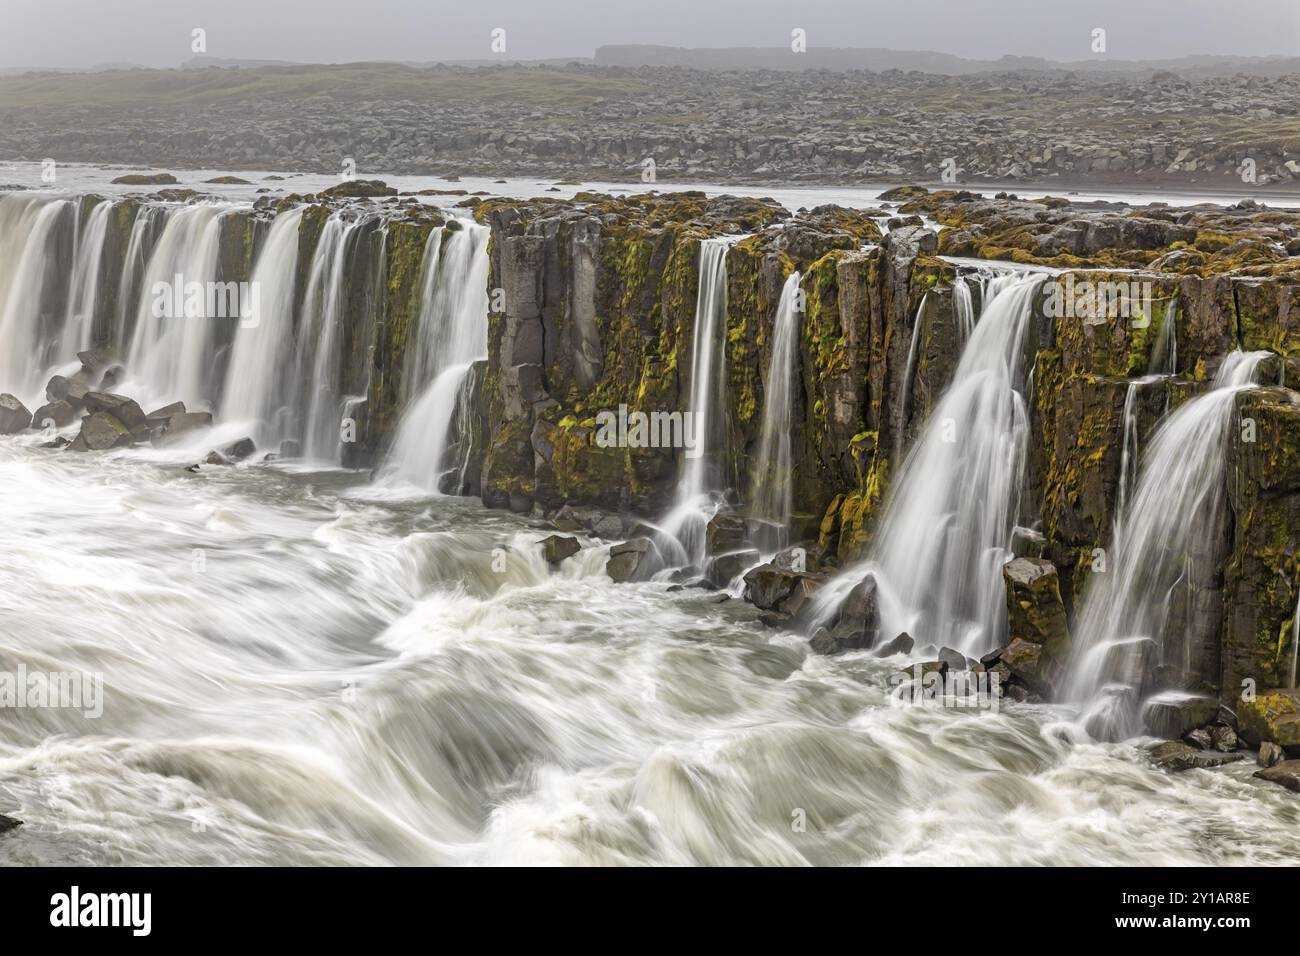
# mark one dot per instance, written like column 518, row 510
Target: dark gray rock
column 14, row 416
column 558, row 547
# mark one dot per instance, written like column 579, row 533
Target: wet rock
column 1274, row 715
column 767, row 585
column 725, row 568
column 1173, row 714
column 60, row 414
column 1199, row 738
column 1176, row 756
column 1224, row 738
column 238, row 450
column 558, row 547
column 290, row 449
column 101, row 431
column 161, row 416
column 1269, row 754
column 124, row 409
column 902, row 644
column 955, row 659
column 629, row 561
column 178, row 426
column 58, row 441
column 798, row 603
column 360, row 188
column 14, row 416
column 62, row 388
column 1287, row 773
column 8, row 823
column 1036, row 612
column 798, row 558
column 1024, row 661
column 724, row 533
column 146, row 179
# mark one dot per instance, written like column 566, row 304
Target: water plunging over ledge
column 773, row 478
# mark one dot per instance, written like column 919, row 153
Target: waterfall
column 909, row 374
column 29, row 228
column 452, row 335
column 963, row 308
column 321, row 336
column 946, row 531
column 772, row 475
column 170, row 357
column 1295, row 643
column 257, row 387
column 701, row 480
column 139, row 249
column 83, row 299
column 1177, row 506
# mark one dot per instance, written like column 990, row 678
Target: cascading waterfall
column 320, row 338
column 148, row 222
column 452, row 336
column 257, row 390
column 170, row 356
column 1178, row 505
column 772, row 475
column 28, row 231
column 947, row 529
column 697, row 491
column 83, row 300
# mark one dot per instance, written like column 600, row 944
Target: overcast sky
column 79, row 33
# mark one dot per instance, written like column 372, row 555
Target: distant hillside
column 926, row 61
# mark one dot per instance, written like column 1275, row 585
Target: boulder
column 558, row 547
column 724, row 533
column 124, row 409
column 70, row 390
column 1273, row 715
column 1269, row 754
column 181, row 425
column 238, row 450
column 1224, row 738
column 14, row 416
column 290, row 448
column 1036, row 612
column 955, row 659
column 767, row 585
column 1024, row 660
column 1287, row 773
column 1173, row 714
column 725, row 568
column 629, row 561
column 902, row 644
column 1176, row 756
column 161, row 416
column 95, row 362
column 61, row 414
column 8, row 823
column 101, row 431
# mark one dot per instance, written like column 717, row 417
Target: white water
column 698, row 490
column 1177, row 504
column 257, row 387
column 170, row 357
column 452, row 336
column 947, row 528
column 83, row 299
column 28, row 230
column 773, row 477
column 343, row 682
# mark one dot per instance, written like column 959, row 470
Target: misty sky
column 80, row 33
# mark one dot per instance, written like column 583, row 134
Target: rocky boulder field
column 739, row 125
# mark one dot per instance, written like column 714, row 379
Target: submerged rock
column 1287, row 773
column 1176, row 756
column 1172, row 714
column 14, row 416
column 558, row 547
column 178, row 426
column 9, row 823
column 902, row 644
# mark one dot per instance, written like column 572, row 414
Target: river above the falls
column 301, row 669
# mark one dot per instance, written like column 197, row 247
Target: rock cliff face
column 598, row 309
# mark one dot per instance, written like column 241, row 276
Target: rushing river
column 299, row 670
